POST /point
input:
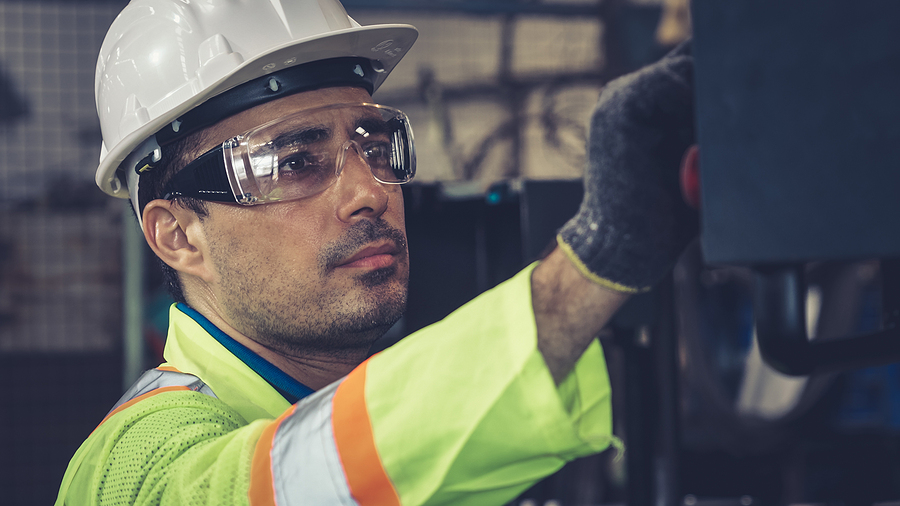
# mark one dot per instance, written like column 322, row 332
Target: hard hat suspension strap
column 347, row 71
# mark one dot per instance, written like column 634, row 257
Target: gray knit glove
column 633, row 223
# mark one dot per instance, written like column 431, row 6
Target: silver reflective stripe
column 306, row 468
column 154, row 378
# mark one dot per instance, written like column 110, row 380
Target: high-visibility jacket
column 462, row 412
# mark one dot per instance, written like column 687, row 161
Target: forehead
column 245, row 120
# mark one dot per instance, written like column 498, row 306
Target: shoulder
column 176, row 394
column 164, row 426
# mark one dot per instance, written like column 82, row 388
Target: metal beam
column 468, row 6
column 133, row 254
column 478, row 7
column 495, row 89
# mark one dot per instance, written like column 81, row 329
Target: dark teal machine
column 799, row 126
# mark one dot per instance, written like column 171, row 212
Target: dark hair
column 174, row 158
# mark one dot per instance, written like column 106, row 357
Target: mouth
column 371, row 257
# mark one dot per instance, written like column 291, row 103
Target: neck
column 313, row 368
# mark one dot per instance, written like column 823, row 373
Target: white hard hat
column 161, row 59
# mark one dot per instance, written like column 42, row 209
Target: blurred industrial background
column 499, row 93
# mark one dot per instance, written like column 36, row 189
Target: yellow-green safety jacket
column 461, row 412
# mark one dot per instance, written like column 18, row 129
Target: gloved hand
column 633, row 223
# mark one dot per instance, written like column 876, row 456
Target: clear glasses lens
column 303, row 154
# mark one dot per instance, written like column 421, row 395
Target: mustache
column 358, row 236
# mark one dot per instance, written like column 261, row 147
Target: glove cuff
column 589, row 274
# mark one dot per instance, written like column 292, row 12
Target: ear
column 176, row 236
column 690, row 176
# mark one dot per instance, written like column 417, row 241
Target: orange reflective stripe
column 262, row 484
column 168, row 368
column 369, row 483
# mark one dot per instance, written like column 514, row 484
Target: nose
column 361, row 195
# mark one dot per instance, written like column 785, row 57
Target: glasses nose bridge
column 342, row 157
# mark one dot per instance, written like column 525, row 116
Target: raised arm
column 569, row 311
column 633, row 223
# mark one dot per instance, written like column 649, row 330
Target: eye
column 379, row 153
column 300, row 162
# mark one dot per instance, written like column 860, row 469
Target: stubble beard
column 303, row 319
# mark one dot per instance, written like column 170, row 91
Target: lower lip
column 371, row 262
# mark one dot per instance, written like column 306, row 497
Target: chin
column 383, row 276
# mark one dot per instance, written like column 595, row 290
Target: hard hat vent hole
column 274, row 85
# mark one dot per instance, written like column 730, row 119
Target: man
column 267, row 184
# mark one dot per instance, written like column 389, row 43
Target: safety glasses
column 300, row 155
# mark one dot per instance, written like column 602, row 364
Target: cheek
column 395, row 213
column 297, row 234
column 282, row 235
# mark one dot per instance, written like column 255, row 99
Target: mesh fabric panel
column 172, row 448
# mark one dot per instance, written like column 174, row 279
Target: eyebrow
column 307, row 135
column 371, row 124
column 312, row 134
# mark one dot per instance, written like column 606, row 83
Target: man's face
column 325, row 273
